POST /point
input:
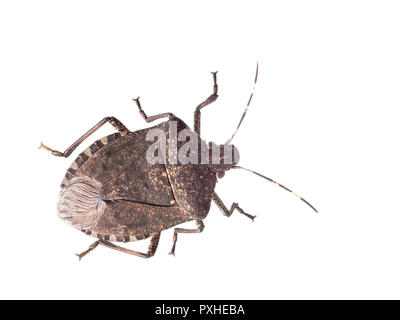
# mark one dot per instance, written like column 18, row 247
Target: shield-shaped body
column 112, row 192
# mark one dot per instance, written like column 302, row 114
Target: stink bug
column 116, row 192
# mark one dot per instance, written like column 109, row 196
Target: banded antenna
column 278, row 184
column 247, row 107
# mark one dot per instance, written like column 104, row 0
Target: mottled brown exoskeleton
column 113, row 193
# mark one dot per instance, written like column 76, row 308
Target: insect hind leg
column 91, row 248
column 150, row 251
column 112, row 120
column 200, row 228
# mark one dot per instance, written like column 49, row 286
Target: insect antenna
column 247, row 107
column 278, row 184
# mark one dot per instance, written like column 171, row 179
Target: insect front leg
column 113, row 121
column 151, row 118
column 234, row 206
column 200, row 228
column 206, row 102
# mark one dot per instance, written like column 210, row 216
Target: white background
column 324, row 121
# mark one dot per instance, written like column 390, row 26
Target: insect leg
column 206, row 102
column 234, row 206
column 150, row 251
column 91, row 248
column 151, row 118
column 200, row 228
column 113, row 121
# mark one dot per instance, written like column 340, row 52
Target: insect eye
column 220, row 174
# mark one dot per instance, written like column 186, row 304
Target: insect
column 114, row 193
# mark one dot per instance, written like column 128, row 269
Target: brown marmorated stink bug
column 130, row 186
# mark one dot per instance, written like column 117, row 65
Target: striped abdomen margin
column 85, row 155
column 113, row 237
